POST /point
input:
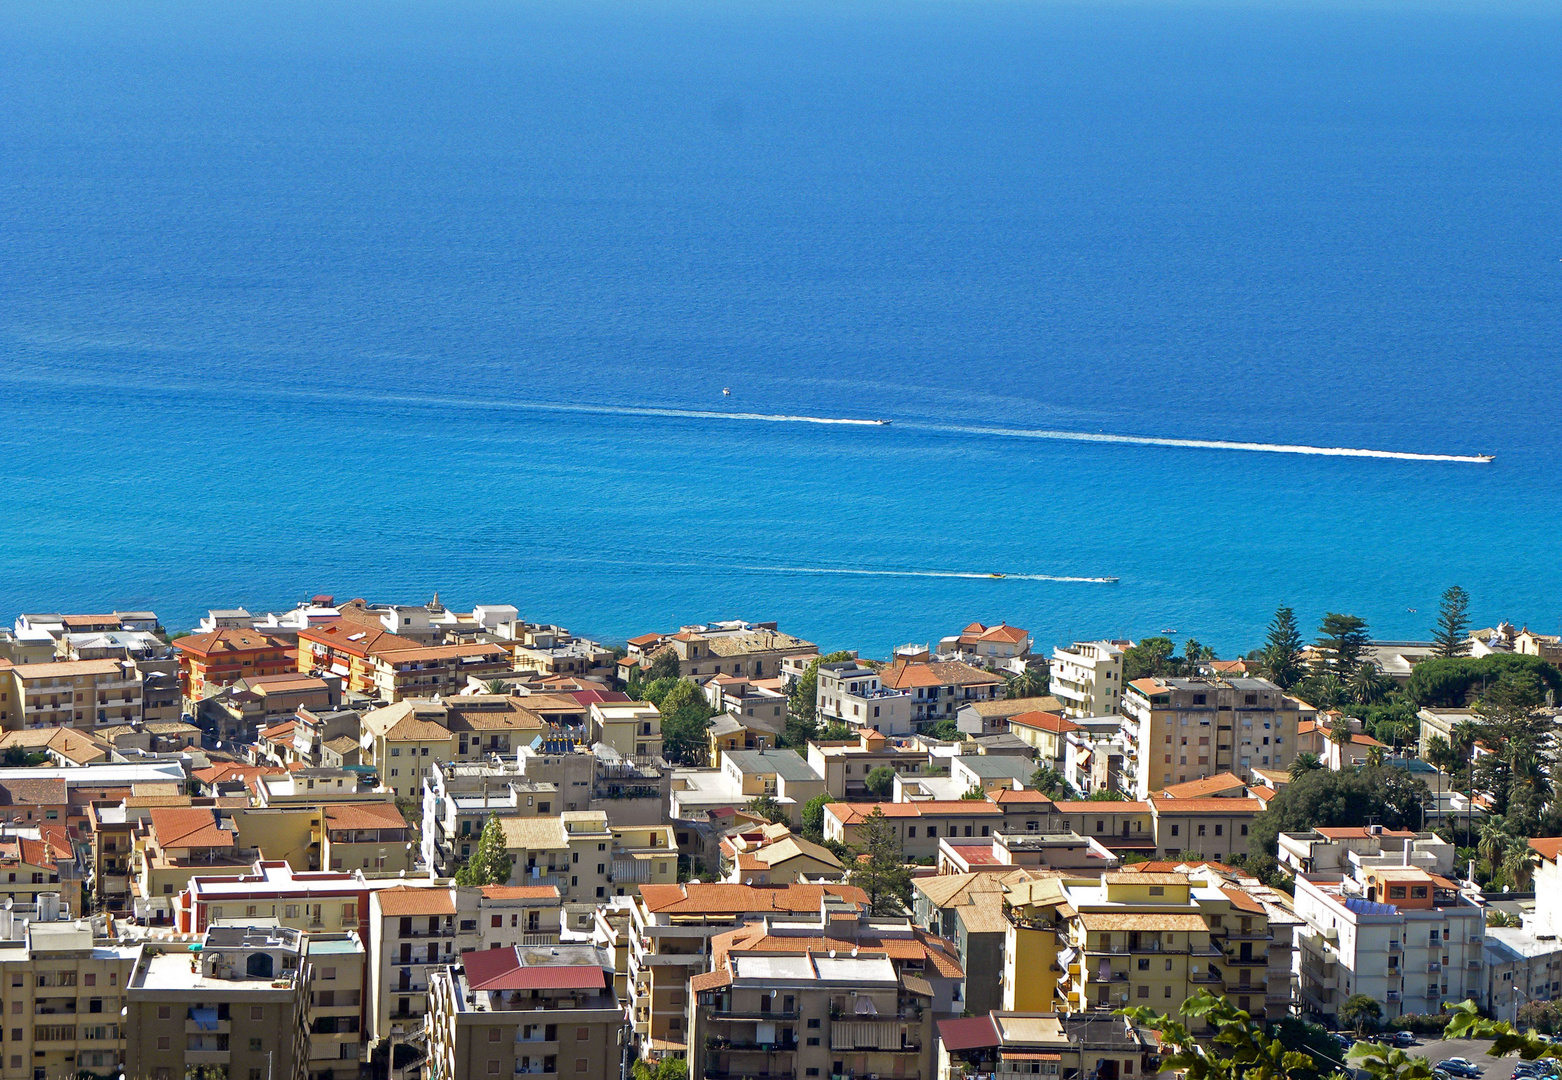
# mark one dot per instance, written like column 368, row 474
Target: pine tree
column 490, row 865
column 1282, row 656
column 1452, row 634
column 880, row 870
column 1341, row 641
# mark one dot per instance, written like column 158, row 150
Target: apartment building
column 1087, row 677
column 632, row 728
column 526, row 1011
column 208, row 662
column 405, row 740
column 311, row 901
column 1178, row 730
column 511, row 915
column 588, row 860
column 920, row 825
column 412, row 933
column 769, row 854
column 835, row 993
column 629, row 791
column 174, row 844
column 939, row 689
column 62, row 988
column 1047, row 732
column 366, row 836
column 854, row 694
column 236, row 1008
column 845, row 765
column 1133, row 937
column 759, row 703
column 389, row 667
column 757, row 650
column 246, row 705
column 1007, row 1044
column 669, row 934
column 460, row 797
column 337, row 1003
column 1400, row 934
column 782, row 775
column 74, row 693
column 967, row 909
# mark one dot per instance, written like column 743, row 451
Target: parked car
column 1460, row 1067
column 1404, row 1038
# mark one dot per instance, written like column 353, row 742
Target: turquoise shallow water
column 283, row 287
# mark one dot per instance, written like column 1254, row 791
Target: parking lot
column 1473, row 1051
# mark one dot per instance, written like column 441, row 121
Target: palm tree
column 1518, row 863
column 1367, row 685
column 1340, row 730
column 496, row 686
column 1304, row 763
column 1493, row 842
column 1032, row 682
column 1375, row 756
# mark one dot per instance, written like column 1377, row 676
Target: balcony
column 1434, row 965
column 1395, row 946
column 751, row 1016
column 743, row 1046
column 1392, row 995
column 206, row 1057
column 208, row 1027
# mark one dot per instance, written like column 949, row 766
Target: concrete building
column 998, row 648
column 1088, row 677
column 338, row 1004
column 237, row 1008
column 939, row 689
column 845, row 764
column 210, row 661
column 526, row 1011
column 62, row 987
column 78, row 693
column 757, row 650
column 632, row 728
column 967, row 909
column 1009, row 1044
column 405, row 740
column 587, row 860
column 853, row 694
column 1401, row 935
column 1186, row 729
column 670, row 930
column 412, row 933
column 779, row 774
column 460, row 797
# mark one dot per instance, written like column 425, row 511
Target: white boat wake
column 925, row 573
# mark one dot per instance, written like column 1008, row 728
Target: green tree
column 490, row 864
column 1341, row 641
column 667, row 1068
column 1194, row 654
column 1321, row 690
column 1239, row 1048
column 974, row 793
column 1281, row 658
column 1323, row 799
column 1375, row 756
column 1516, row 731
column 946, row 730
column 1443, row 682
column 880, row 869
column 1367, row 685
column 1360, row 1012
column 767, row 807
column 686, row 716
column 836, row 731
column 1340, row 731
column 1051, row 783
column 1151, row 658
column 1032, row 682
column 1106, row 795
column 1304, row 762
column 880, row 781
column 1441, row 755
column 803, row 704
column 497, row 686
column 664, row 665
column 1452, row 634
column 813, row 815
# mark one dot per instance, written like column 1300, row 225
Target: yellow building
column 1035, row 912
column 79, row 693
column 404, row 741
column 633, row 728
column 586, row 860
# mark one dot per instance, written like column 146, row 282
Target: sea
column 568, row 304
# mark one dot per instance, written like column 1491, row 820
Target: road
column 1472, row 1050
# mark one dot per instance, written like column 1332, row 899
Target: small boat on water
column 883, row 423
column 726, row 391
column 1168, row 631
column 997, row 575
column 1484, row 457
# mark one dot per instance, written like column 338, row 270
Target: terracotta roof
column 195, row 827
column 939, row 673
column 1161, row 920
column 230, row 641
column 356, row 638
column 856, row 813
column 233, row 770
column 1013, row 635
column 50, row 792
column 969, row 1033
column 364, row 816
column 721, row 898
column 710, row 980
column 501, row 969
column 644, row 639
column 1242, row 901
column 283, row 730
column 1364, row 740
column 1164, row 805
column 1357, row 832
column 521, row 892
column 67, row 668
column 924, row 946
column 1550, row 847
column 1082, row 806
column 1209, row 785
column 1045, row 721
column 1149, row 686
column 409, row 900
column 1142, row 878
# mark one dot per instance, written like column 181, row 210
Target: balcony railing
column 752, row 1015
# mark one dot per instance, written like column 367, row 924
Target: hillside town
column 363, row 839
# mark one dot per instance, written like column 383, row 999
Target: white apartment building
column 855, row 695
column 1401, row 935
column 1088, row 678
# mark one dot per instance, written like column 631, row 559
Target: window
column 580, row 1064
column 493, row 1034
column 349, row 913
column 256, row 1046
column 1218, row 828
column 1144, row 991
column 1144, row 965
column 814, row 1023
column 328, row 973
column 813, row 1040
column 1168, row 991
column 493, row 1067
column 582, row 1034
column 164, row 1012
column 911, row 832
column 1396, row 892
column 257, row 1012
column 1157, row 890
column 1201, row 829
column 1244, row 830
column 1174, row 830
column 932, row 831
column 395, row 751
column 497, row 920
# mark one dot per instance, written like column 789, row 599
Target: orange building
column 208, row 662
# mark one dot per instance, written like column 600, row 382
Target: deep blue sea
column 284, row 288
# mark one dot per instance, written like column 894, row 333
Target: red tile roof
column 722, row 898
column 856, row 813
column 364, row 816
column 1550, row 847
column 1045, row 721
column 225, row 642
column 501, row 969
column 193, row 827
column 970, row 1033
column 1164, row 805
column 408, row 900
